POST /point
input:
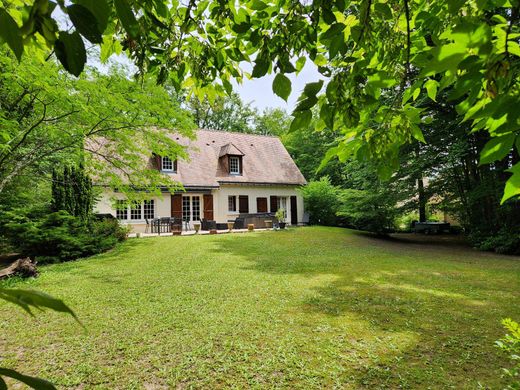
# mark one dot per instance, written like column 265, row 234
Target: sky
column 259, row 92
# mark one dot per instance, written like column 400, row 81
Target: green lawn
column 304, row 308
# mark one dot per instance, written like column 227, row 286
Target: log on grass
column 22, row 267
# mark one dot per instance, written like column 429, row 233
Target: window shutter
column 208, row 207
column 240, row 164
column 294, row 211
column 175, row 165
column 177, row 206
column 261, row 205
column 243, row 204
column 274, row 203
column 156, row 161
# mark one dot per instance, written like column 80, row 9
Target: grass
column 304, row 308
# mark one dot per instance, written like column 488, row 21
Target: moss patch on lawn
column 302, row 308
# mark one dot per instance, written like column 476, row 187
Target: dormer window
column 234, row 165
column 168, row 165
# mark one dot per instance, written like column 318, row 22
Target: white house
column 227, row 174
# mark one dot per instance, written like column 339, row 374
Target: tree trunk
column 422, row 199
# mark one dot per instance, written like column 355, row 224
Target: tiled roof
column 264, row 160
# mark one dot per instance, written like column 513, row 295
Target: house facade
column 227, row 174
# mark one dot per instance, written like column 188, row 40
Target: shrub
column 58, row 236
column 510, row 344
column 505, row 241
column 321, row 201
column 366, row 210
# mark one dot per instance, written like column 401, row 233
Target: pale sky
column 259, row 92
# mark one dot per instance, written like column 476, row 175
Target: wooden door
column 208, row 207
column 243, row 204
column 176, row 206
column 294, row 211
column 261, row 205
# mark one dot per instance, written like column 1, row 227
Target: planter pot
column 250, row 227
column 196, row 227
column 213, row 231
column 137, row 235
column 282, row 225
column 230, row 225
column 268, row 224
column 176, row 233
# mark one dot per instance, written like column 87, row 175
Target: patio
column 193, row 232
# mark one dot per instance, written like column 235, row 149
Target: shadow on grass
column 399, row 285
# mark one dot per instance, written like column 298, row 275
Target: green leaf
column 382, row 80
column 497, row 148
column 300, row 63
column 35, row 383
column 327, row 115
column 35, row 299
column 384, row 10
column 335, row 29
column 312, row 89
column 328, row 16
column 512, row 187
column 282, row 86
column 257, row 5
column 306, row 104
column 241, row 28
column 85, row 22
column 301, row 120
column 261, row 67
column 10, row 33
column 100, row 9
column 127, row 17
column 70, row 50
column 431, row 88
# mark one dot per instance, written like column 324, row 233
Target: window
column 136, row 210
column 281, row 203
column 168, row 165
column 149, row 209
column 232, row 203
column 121, row 209
column 234, row 165
column 195, row 207
column 186, row 208
column 191, row 205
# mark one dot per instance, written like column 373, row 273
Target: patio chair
column 147, row 228
column 207, row 224
column 175, row 224
column 164, row 224
column 240, row 223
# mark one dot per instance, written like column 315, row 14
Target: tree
column 362, row 48
column 226, row 113
column 72, row 192
column 321, row 201
column 106, row 122
column 272, row 121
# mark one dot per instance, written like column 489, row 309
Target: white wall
column 220, row 202
column 105, row 204
column 220, row 199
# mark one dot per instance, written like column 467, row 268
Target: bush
column 321, row 201
column 58, row 236
column 510, row 344
column 370, row 211
column 505, row 241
